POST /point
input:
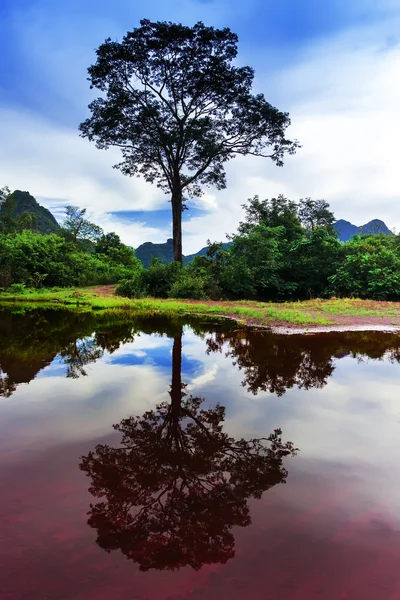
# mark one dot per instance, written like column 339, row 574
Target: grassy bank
column 301, row 314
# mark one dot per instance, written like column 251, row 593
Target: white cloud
column 59, row 168
column 342, row 93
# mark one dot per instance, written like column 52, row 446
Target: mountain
column 187, row 259
column 165, row 252
column 24, row 202
column 346, row 230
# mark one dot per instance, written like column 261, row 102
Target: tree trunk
column 176, row 383
column 174, row 411
column 176, row 202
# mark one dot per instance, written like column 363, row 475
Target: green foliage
column 156, row 281
column 274, row 212
column 110, row 249
column 16, row 288
column 178, row 108
column 312, row 261
column 159, row 277
column 315, row 214
column 189, row 287
column 133, row 287
column 283, row 250
column 34, row 259
column 370, row 269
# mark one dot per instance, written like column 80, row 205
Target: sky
column 333, row 65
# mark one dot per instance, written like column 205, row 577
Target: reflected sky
column 332, row 531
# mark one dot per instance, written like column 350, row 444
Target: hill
column 164, row 252
column 346, row 230
column 24, row 202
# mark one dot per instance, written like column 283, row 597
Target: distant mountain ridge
column 24, row 202
column 346, row 230
column 165, row 252
column 46, row 223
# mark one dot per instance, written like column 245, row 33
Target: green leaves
column 370, row 269
column 178, row 108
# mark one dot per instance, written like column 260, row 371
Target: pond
column 156, row 459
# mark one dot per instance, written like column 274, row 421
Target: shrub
column 17, row 288
column 189, row 287
column 133, row 287
column 159, row 277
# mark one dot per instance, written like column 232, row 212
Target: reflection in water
column 276, row 363
column 173, row 491
column 178, row 484
column 30, row 342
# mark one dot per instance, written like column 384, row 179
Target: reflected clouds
column 174, row 487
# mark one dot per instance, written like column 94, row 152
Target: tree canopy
column 178, row 107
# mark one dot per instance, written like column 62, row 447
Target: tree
column 274, row 212
column 177, row 484
column 316, row 213
column 78, row 227
column 110, row 245
column 178, row 109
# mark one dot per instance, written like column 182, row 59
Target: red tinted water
column 308, row 539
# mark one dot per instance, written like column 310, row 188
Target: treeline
column 78, row 254
column 283, row 250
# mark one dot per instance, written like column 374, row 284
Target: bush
column 133, row 287
column 189, row 287
column 17, row 288
column 159, row 278
column 34, row 259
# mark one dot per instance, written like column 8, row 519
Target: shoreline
column 309, row 316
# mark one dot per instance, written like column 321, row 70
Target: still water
column 173, row 460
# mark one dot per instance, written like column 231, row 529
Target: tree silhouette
column 177, row 484
column 275, row 363
column 178, row 108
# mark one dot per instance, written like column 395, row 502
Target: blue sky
column 333, row 65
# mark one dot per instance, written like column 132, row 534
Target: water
column 241, row 464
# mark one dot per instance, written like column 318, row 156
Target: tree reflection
column 275, row 363
column 30, row 341
column 172, row 491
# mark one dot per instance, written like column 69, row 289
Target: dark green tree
column 179, row 109
column 110, row 245
column 274, row 212
column 315, row 214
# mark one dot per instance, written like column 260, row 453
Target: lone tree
column 179, row 109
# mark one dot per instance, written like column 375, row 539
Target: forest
column 283, row 250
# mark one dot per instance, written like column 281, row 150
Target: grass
column 304, row 314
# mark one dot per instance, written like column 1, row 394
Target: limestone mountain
column 22, row 202
column 346, row 230
column 164, row 252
